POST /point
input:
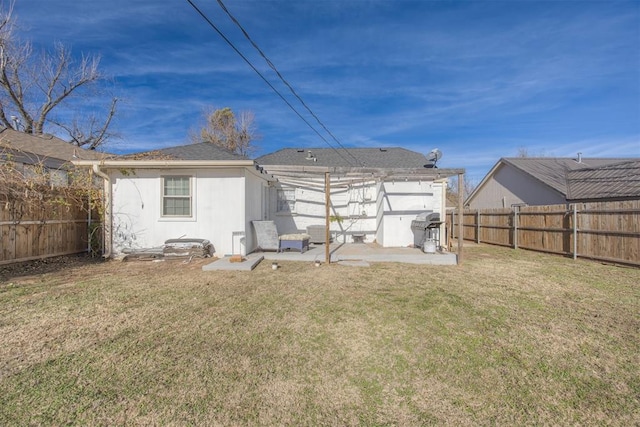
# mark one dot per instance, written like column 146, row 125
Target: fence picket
column 607, row 231
column 59, row 230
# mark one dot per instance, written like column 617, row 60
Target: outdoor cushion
column 299, row 236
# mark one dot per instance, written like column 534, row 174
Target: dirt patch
column 46, row 265
column 61, row 264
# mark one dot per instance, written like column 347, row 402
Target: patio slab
column 248, row 264
column 366, row 252
column 315, row 253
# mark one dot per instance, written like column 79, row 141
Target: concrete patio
column 354, row 254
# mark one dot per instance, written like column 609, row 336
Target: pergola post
column 460, row 215
column 327, row 203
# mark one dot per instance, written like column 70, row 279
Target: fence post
column 453, row 225
column 575, row 231
column 515, row 226
column 478, row 226
column 460, row 216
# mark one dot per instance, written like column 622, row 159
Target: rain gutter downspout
column 106, row 228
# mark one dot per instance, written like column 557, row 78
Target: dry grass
column 509, row 338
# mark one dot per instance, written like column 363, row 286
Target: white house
column 205, row 192
column 192, row 191
column 375, row 193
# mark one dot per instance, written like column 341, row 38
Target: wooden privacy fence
column 608, row 231
column 35, row 228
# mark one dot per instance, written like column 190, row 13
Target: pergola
column 361, row 174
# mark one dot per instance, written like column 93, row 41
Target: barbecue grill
column 426, row 229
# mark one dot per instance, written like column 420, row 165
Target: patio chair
column 269, row 240
column 267, row 235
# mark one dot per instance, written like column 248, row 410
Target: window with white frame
column 176, row 196
column 287, row 200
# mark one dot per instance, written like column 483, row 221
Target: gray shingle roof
column 617, row 181
column 393, row 157
column 199, row 151
column 553, row 170
column 48, row 149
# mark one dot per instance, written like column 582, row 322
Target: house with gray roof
column 206, row 192
column 374, row 193
column 194, row 191
column 26, row 151
column 519, row 181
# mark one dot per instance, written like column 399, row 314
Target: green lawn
column 509, row 338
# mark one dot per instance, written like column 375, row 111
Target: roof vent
column 383, row 149
column 310, row 156
column 579, row 158
column 300, row 150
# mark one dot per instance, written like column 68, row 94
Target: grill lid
column 426, row 220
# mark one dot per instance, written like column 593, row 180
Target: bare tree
column 223, row 128
column 90, row 132
column 468, row 186
column 525, row 152
column 33, row 85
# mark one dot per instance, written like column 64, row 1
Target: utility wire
column 212, row 25
column 273, row 67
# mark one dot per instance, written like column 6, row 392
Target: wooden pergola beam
column 359, row 171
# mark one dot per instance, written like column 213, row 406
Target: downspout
column 106, row 228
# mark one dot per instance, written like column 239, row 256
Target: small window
column 176, row 196
column 287, row 200
column 59, row 178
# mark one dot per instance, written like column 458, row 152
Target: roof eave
column 154, row 164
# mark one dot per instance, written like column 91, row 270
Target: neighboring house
column 193, row 191
column 375, row 193
column 29, row 152
column 530, row 181
column 617, row 182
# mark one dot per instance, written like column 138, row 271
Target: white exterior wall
column 354, row 203
column 401, row 202
column 381, row 211
column 218, row 208
column 309, row 206
column 256, row 203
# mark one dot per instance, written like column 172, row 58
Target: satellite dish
column 433, row 157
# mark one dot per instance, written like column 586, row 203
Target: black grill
column 426, row 220
column 426, row 227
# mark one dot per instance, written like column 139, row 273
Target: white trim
column 142, row 164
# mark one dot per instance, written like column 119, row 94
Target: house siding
column 256, row 209
column 509, row 186
column 402, row 202
column 218, row 208
column 381, row 211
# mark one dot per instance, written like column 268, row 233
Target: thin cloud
column 477, row 79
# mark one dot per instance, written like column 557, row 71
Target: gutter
column 177, row 164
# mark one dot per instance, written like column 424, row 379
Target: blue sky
column 477, row 79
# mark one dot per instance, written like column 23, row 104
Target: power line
column 273, row 67
column 212, row 25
